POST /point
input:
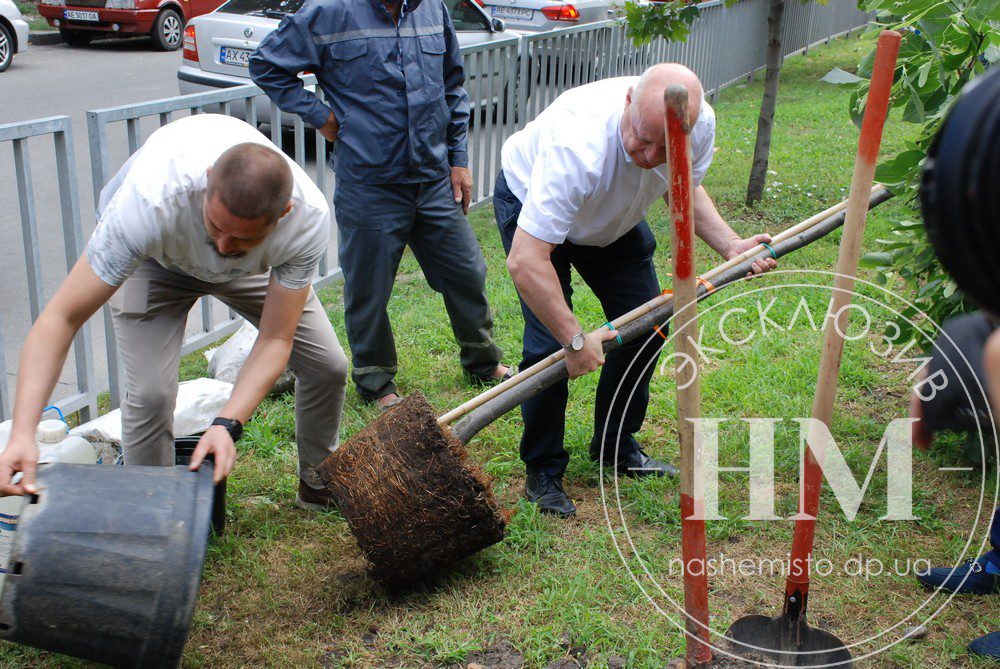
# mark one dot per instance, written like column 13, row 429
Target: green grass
column 287, row 588
column 30, row 11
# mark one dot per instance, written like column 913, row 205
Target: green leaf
column 901, row 168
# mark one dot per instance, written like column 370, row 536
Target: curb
column 44, row 37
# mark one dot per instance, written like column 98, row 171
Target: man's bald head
column 642, row 128
column 253, row 181
column 648, row 93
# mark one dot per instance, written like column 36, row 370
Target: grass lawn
column 30, row 11
column 285, row 588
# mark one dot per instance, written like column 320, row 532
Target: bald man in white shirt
column 573, row 193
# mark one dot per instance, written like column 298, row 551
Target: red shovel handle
column 693, row 549
column 797, row 584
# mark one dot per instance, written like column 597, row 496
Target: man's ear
column 628, row 96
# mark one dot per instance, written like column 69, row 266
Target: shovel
column 693, row 547
column 787, row 639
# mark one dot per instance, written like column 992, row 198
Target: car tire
column 168, row 31
column 76, row 37
column 6, row 48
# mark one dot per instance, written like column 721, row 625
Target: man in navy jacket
column 395, row 106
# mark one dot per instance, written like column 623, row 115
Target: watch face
column 577, row 342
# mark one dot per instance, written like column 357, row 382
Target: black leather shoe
column 635, row 464
column 638, row 465
column 547, row 492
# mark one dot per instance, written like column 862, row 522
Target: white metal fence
column 510, row 81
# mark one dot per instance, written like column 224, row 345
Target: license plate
column 74, row 15
column 238, row 57
column 512, row 12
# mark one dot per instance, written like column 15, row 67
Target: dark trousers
column 993, row 557
column 374, row 225
column 622, row 277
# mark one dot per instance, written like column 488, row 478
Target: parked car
column 13, row 33
column 537, row 15
column 80, row 21
column 218, row 46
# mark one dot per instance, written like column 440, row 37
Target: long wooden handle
column 680, row 195
column 625, row 319
column 797, row 583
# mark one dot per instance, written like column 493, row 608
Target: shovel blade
column 786, row 643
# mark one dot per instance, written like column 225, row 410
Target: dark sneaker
column 967, row 579
column 547, row 492
column 987, row 646
column 636, row 464
column 311, row 499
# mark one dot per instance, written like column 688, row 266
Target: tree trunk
column 765, row 122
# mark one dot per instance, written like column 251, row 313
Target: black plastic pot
column 183, row 449
column 106, row 563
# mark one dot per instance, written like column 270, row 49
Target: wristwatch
column 233, row 427
column 576, row 343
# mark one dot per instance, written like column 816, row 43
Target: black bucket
column 106, row 563
column 183, row 449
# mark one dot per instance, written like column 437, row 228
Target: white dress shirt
column 569, row 168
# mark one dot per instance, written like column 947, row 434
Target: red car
column 80, row 21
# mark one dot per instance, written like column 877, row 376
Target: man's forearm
column 42, row 360
column 710, row 226
column 539, row 287
column 266, row 362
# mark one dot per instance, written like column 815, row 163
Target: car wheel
column 6, row 48
column 76, row 37
column 168, row 30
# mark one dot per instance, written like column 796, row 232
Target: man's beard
column 228, row 256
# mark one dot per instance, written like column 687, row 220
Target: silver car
column 218, row 45
column 536, row 15
column 13, row 33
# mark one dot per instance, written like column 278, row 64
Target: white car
column 218, row 45
column 13, row 33
column 537, row 15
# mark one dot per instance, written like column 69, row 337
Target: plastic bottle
column 54, row 445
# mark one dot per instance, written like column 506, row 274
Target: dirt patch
column 412, row 497
column 501, row 655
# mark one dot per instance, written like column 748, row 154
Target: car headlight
column 120, row 4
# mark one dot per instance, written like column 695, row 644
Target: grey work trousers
column 150, row 316
column 375, row 222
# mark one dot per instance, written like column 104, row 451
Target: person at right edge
column 397, row 111
column 960, row 200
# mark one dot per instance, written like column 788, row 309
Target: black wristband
column 233, row 427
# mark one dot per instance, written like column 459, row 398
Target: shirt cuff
column 538, row 231
column 458, row 158
column 318, row 115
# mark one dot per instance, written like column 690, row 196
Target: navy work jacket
column 395, row 89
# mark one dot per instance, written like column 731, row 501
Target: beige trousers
column 150, row 317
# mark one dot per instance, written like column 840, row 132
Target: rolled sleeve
column 116, row 248
column 703, row 148
column 561, row 180
column 279, row 59
column 456, row 97
column 299, row 271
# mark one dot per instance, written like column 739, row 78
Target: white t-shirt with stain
column 153, row 208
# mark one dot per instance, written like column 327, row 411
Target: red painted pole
column 693, row 549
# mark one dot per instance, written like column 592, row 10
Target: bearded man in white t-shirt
column 573, row 193
column 207, row 206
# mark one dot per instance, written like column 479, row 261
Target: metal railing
column 59, row 128
column 510, row 81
